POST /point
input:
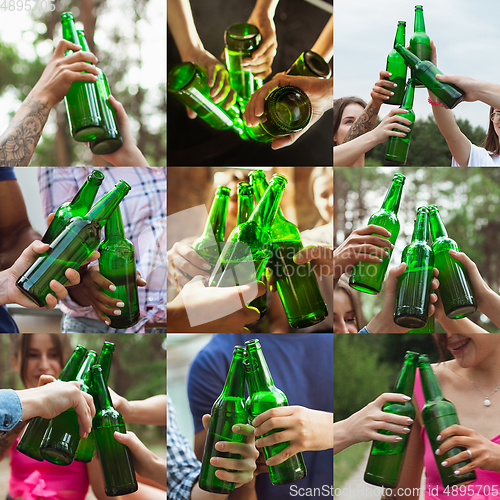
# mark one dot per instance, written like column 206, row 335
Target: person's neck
column 485, row 374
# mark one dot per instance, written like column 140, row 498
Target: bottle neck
column 83, row 40
column 72, row 367
column 400, row 34
column 410, row 58
column 235, row 381
column 105, row 360
column 99, row 389
column 69, row 30
column 421, row 229
column 409, row 95
column 216, row 223
column 86, row 366
column 438, row 229
column 258, row 369
column 406, row 378
column 245, row 208
column 114, row 226
column 419, row 26
column 261, row 188
column 103, row 209
column 86, row 194
column 393, row 197
column 430, row 385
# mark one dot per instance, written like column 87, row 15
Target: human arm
column 462, row 325
column 489, row 93
column 18, row 142
column 150, row 411
column 324, row 44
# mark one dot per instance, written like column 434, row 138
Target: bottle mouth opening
column 252, row 345
column 97, row 174
column 317, row 64
column 223, row 190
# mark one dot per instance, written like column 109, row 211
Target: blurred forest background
column 124, row 29
column 468, row 200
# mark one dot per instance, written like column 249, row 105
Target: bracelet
column 432, row 103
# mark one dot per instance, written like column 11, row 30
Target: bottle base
column 30, row 295
column 309, row 320
column 461, row 312
column 410, row 321
column 106, row 146
column 31, row 455
column 215, row 489
column 378, row 481
column 364, row 288
column 120, row 323
column 56, row 457
column 87, row 134
column 287, row 480
column 394, row 163
column 125, row 489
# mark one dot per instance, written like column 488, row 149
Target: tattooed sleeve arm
column 364, row 123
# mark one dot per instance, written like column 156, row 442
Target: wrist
column 4, row 283
column 264, row 9
column 42, row 95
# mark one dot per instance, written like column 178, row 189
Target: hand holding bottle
column 321, row 256
column 183, row 261
column 393, row 124
column 383, row 89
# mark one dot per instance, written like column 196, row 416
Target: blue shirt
column 11, row 410
column 302, row 367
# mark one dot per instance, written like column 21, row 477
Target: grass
column 346, row 462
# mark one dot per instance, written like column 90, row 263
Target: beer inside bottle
column 287, row 110
column 264, row 395
column 78, row 207
column 82, row 106
column 70, row 249
column 397, row 66
column 438, row 414
column 311, row 64
column 455, row 288
column 30, row 441
column 420, row 43
column 368, row 276
column 228, row 410
column 117, row 264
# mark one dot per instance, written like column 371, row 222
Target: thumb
column 392, row 279
column 45, row 379
column 306, row 254
column 206, row 421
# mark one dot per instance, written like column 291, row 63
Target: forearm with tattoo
column 364, row 123
column 8, row 439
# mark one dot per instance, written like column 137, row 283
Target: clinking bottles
column 210, row 244
column 367, row 276
column 420, row 43
column 297, row 285
column 117, row 264
column 414, row 286
column 397, row 66
column 264, row 395
column 71, row 248
column 30, row 441
column 426, row 72
column 115, row 458
column 454, row 285
column 62, row 437
column 397, row 147
column 228, row 410
column 310, row 64
column 386, row 459
column 248, row 247
column 287, row 110
column 82, row 107
column 77, row 207
column 438, row 414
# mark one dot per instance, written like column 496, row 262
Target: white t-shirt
column 479, row 157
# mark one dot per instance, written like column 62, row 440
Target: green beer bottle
column 62, row 437
column 287, row 110
column 111, row 141
column 105, row 359
column 210, row 244
column 117, row 264
column 426, row 73
column 367, row 276
column 264, row 395
column 249, row 245
column 71, row 248
column 397, row 66
column 386, row 459
column 397, row 147
column 454, row 285
column 245, row 209
column 82, row 106
column 77, row 207
column 30, row 441
column 420, row 43
column 228, row 410
column 296, row 283
column 310, row 64
column 414, row 286
column 115, row 458
column 241, row 41
column 438, row 414
column 188, row 83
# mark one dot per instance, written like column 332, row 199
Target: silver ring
column 469, row 452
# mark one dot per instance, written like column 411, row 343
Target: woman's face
column 349, row 116
column 344, row 317
column 496, row 126
column 42, row 359
column 323, row 196
column 474, row 349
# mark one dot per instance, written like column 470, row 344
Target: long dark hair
column 491, row 142
column 442, row 344
column 338, row 109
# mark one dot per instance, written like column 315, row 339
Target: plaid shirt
column 183, row 468
column 144, row 213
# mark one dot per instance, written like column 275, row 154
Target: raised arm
column 324, row 44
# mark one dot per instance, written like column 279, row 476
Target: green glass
column 245, row 209
column 397, row 66
column 428, row 328
column 115, row 458
column 241, row 41
column 62, row 437
column 249, row 245
column 105, row 359
column 398, row 147
column 296, row 283
column 228, row 410
column 77, row 207
column 30, row 441
column 111, row 141
column 438, row 414
column 264, row 395
column 386, row 459
column 426, row 72
column 70, row 249
column 82, row 105
column 414, row 286
column 420, row 43
column 210, row 244
column 367, row 276
column 117, row 264
column 455, row 288
column 310, row 64
column 286, row 110
column 188, row 83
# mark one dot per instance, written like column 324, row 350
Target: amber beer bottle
column 397, row 67
column 420, row 43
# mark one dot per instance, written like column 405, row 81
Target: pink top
column 32, row 480
column 487, row 485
